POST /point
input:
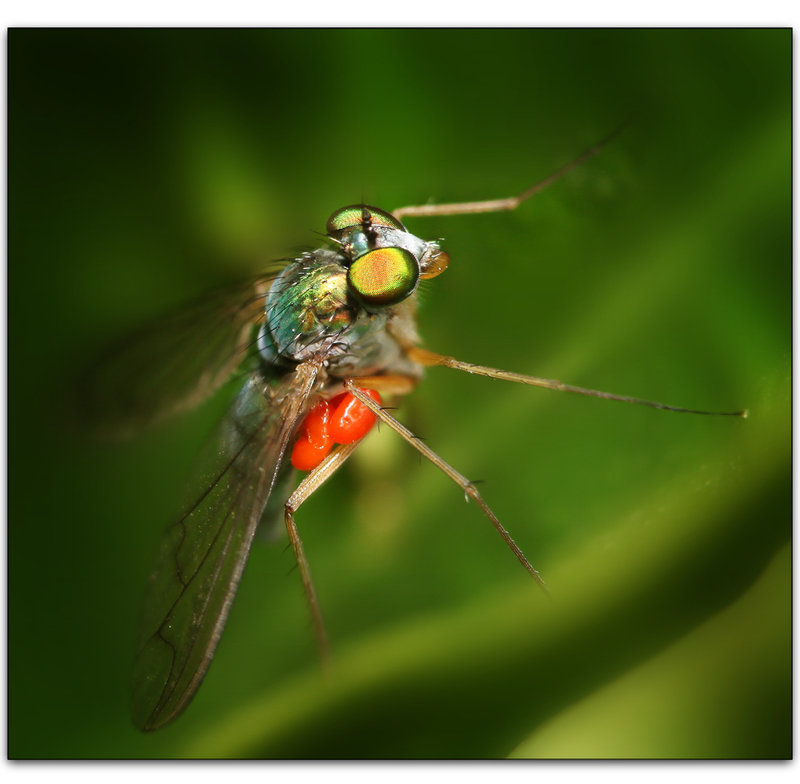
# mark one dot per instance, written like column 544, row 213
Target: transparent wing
column 204, row 552
column 173, row 363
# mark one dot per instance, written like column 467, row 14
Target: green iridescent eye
column 359, row 215
column 384, row 276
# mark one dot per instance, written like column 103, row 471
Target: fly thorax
column 307, row 309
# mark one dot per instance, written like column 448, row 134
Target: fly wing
column 173, row 363
column 204, row 552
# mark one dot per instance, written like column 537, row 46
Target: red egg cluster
column 340, row 420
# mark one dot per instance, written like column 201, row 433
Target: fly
column 321, row 343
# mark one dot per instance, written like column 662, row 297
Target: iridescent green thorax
column 307, row 307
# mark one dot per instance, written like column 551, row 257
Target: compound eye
column 384, row 276
column 359, row 216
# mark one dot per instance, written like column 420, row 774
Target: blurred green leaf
column 722, row 691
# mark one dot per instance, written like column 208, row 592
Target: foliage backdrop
column 145, row 166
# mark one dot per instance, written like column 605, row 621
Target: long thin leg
column 512, row 202
column 312, row 482
column 467, row 486
column 429, row 358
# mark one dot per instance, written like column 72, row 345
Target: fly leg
column 312, row 482
column 469, row 489
column 390, row 384
column 429, row 358
column 512, row 202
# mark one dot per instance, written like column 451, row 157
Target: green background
column 146, row 166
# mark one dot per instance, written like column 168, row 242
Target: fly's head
column 384, row 261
